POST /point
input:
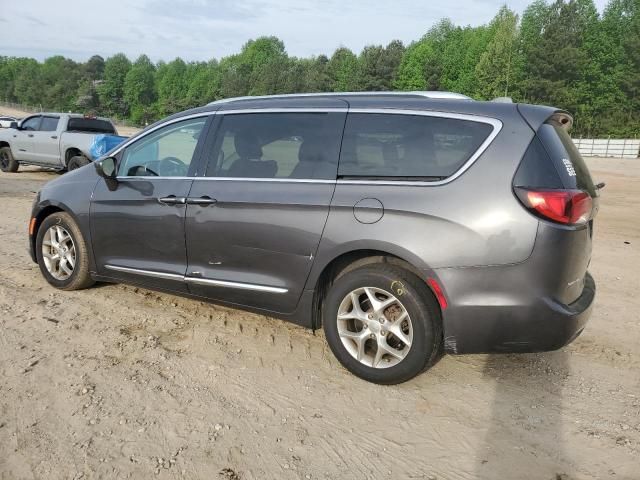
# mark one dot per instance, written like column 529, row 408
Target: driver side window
column 167, row 152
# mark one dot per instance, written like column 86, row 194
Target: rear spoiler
column 536, row 115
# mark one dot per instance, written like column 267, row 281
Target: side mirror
column 106, row 168
column 14, row 125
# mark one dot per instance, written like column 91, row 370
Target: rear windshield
column 408, row 146
column 90, row 125
column 569, row 163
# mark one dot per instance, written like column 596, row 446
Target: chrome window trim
column 135, row 138
column 198, row 281
column 494, row 122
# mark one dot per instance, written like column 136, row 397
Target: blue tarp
column 103, row 143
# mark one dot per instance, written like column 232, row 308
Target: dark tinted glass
column 565, row 154
column 536, row 169
column 49, row 124
column 277, row 145
column 393, row 145
column 90, row 125
column 31, row 123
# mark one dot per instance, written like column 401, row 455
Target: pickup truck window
column 90, row 125
column 49, row 124
column 31, row 124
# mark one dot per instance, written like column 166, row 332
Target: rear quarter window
column 568, row 161
column 90, row 125
column 408, row 146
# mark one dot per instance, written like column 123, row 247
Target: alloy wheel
column 374, row 327
column 58, row 252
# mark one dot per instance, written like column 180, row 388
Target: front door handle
column 204, row 201
column 55, row 137
column 172, row 200
column 30, row 135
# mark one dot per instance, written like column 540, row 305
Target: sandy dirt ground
column 12, row 112
column 122, row 382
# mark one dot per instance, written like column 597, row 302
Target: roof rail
column 426, row 94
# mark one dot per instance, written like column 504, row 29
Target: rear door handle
column 204, row 201
column 30, row 135
column 54, row 137
column 172, row 200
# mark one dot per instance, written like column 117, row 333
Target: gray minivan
column 403, row 224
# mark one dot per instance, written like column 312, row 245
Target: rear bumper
column 509, row 320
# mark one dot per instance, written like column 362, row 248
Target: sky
column 205, row 29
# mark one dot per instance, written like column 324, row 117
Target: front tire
column 382, row 323
column 8, row 164
column 77, row 162
column 62, row 253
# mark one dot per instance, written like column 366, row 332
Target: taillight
column 570, row 207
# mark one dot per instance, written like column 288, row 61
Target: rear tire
column 382, row 323
column 77, row 162
column 62, row 253
column 8, row 164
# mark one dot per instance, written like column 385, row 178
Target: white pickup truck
column 55, row 140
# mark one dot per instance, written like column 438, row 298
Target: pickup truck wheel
column 77, row 162
column 63, row 256
column 7, row 162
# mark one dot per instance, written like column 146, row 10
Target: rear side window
column 408, row 146
column 536, row 169
column 89, row 125
column 569, row 163
column 277, row 145
column 49, row 124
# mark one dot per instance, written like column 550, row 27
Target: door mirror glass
column 14, row 125
column 106, row 168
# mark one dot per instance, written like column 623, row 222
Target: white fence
column 608, row 147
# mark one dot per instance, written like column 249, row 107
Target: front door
column 22, row 142
column 137, row 226
column 46, row 144
column 256, row 215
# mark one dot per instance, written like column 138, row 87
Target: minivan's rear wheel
column 382, row 323
column 7, row 162
column 62, row 253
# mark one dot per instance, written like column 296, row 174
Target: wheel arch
column 47, row 210
column 72, row 152
column 4, row 143
column 350, row 260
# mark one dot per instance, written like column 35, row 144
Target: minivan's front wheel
column 382, row 323
column 62, row 253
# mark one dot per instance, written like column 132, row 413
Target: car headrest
column 247, row 146
column 311, row 150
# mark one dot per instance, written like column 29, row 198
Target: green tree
column 111, row 90
column 139, row 90
column 172, row 86
column 494, row 70
column 342, row 70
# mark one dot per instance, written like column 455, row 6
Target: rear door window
column 297, row 145
column 408, row 146
column 49, row 124
column 569, row 163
